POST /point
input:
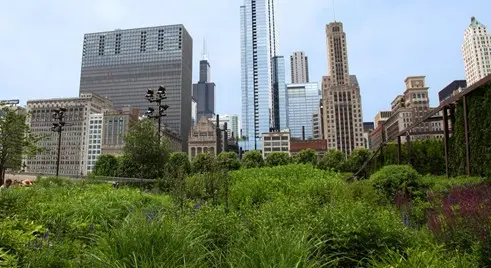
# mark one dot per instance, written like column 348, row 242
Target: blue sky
column 41, row 43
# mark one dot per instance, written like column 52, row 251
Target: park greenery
column 284, row 216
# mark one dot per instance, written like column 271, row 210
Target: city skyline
column 54, row 69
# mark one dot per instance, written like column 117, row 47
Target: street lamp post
column 157, row 97
column 58, row 114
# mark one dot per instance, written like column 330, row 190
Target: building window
column 102, row 41
column 117, row 48
column 143, row 41
column 160, row 41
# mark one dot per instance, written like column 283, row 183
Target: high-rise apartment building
column 232, row 121
column 302, row 102
column 343, row 122
column 476, row 51
column 123, row 64
column 299, row 68
column 262, row 72
column 74, row 138
column 204, row 91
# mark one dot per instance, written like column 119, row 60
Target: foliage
column 178, row 163
column 204, row 163
column 228, row 161
column 277, row 159
column 332, row 160
column 479, row 121
column 106, row 165
column 356, row 160
column 394, row 179
column 252, row 159
column 127, row 168
column 16, row 140
column 143, row 149
column 308, row 156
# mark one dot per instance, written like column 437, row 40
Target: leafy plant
column 228, row 161
column 252, row 159
column 106, row 165
column 308, row 156
column 394, row 179
column 277, row 159
column 333, row 159
column 203, row 163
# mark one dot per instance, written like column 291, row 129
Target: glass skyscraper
column 302, row 101
column 263, row 72
column 122, row 65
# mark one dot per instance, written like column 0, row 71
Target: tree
column 178, row 163
column 278, row 159
column 252, row 159
column 204, row 163
column 356, row 160
column 126, row 168
column 308, row 156
column 106, row 165
column 333, row 159
column 228, row 161
column 16, row 140
column 143, row 149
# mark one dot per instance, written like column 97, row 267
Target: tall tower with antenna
column 204, row 90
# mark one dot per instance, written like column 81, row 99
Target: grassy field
column 289, row 216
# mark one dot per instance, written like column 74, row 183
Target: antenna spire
column 333, row 11
column 204, row 53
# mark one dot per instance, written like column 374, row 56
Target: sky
column 41, row 41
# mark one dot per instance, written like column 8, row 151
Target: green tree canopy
column 252, row 159
column 16, row 140
column 228, row 161
column 308, row 156
column 106, row 165
column 126, row 168
column 278, row 159
column 204, row 163
column 356, row 160
column 178, row 163
column 142, row 148
column 333, row 159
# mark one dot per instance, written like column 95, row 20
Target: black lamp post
column 58, row 127
column 157, row 97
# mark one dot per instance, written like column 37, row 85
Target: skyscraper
column 343, row 120
column 476, row 51
column 299, row 68
column 123, row 64
column 302, row 103
column 204, row 90
column 262, row 74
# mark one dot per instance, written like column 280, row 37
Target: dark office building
column 123, row 64
column 204, row 92
column 452, row 89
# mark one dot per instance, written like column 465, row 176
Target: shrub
column 106, row 165
column 394, row 179
column 252, row 159
column 228, row 161
column 204, row 163
column 333, row 159
column 308, row 156
column 277, row 159
column 178, row 163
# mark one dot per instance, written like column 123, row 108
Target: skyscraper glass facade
column 259, row 46
column 302, row 102
column 122, row 65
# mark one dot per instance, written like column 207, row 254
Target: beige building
column 476, row 50
column 116, row 125
column 276, row 142
column 318, row 123
column 299, row 68
column 202, row 138
column 343, row 122
column 173, row 138
column 407, row 109
column 381, row 117
column 74, row 149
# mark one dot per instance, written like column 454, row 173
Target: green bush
column 203, row 163
column 333, row 159
column 308, row 156
column 394, row 179
column 277, row 159
column 228, row 161
column 252, row 159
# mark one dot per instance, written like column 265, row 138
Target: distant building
column 301, row 103
column 74, row 138
column 204, row 91
column 94, row 140
column 194, row 112
column 320, row 146
column 343, row 119
column 318, row 123
column 123, row 64
column 202, row 138
column 381, row 117
column 276, row 142
column 116, row 125
column 452, row 89
column 173, row 138
column 476, row 50
column 368, row 127
column 232, row 121
column 299, row 66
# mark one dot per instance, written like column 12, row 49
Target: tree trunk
column 2, row 175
